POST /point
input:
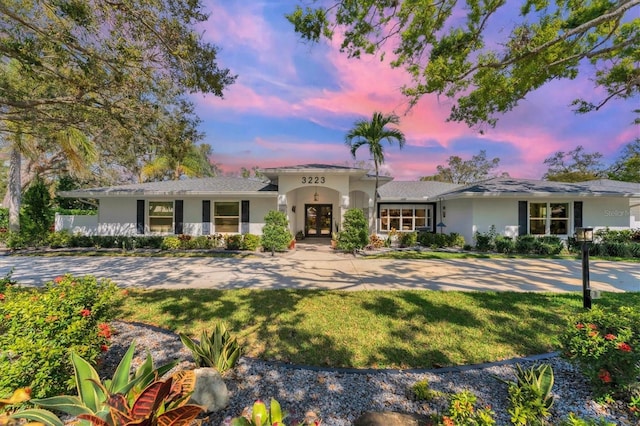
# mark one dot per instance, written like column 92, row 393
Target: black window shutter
column 179, row 217
column 140, row 217
column 245, row 211
column 206, row 217
column 523, row 217
column 577, row 214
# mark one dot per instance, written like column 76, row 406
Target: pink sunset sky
column 293, row 102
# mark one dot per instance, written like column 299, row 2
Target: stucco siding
column 606, row 212
column 117, row 216
column 458, row 218
column 501, row 213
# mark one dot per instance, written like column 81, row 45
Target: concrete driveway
column 313, row 267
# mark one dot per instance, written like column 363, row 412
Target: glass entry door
column 318, row 219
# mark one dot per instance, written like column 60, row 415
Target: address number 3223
column 312, row 179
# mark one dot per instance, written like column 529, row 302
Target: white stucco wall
column 117, row 216
column 77, row 224
column 501, row 213
column 459, row 218
column 614, row 213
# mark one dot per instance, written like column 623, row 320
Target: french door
column 318, row 219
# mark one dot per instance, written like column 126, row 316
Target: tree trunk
column 14, row 189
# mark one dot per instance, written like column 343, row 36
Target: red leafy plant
column 605, row 344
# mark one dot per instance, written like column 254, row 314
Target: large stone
column 388, row 418
column 210, row 391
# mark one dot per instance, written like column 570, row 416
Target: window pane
column 384, row 213
column 420, row 212
column 407, row 212
column 160, row 224
column 559, row 227
column 384, row 224
column 394, row 223
column 538, row 210
column 226, row 224
column 419, row 221
column 537, row 226
column 560, row 210
column 394, row 212
column 407, row 224
column 227, row 209
column 160, row 208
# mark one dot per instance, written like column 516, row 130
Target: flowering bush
column 606, row 345
column 40, row 327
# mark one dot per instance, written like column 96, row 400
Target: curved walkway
column 316, row 267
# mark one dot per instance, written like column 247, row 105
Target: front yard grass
column 377, row 329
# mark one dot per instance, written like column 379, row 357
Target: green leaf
column 121, row 376
column 38, row 415
column 68, row 404
column 276, row 411
column 84, row 374
column 240, row 421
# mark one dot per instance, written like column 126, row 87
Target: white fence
column 77, row 224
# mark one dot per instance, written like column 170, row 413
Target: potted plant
column 292, row 244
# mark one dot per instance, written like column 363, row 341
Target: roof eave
column 126, row 194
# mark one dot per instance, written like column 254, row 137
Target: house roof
column 413, row 191
column 205, row 186
column 527, row 187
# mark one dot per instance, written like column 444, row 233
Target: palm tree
column 372, row 133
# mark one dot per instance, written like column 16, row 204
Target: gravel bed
column 339, row 397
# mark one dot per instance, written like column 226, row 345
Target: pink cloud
column 242, row 98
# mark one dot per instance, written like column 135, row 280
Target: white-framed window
column 161, row 217
column 226, row 216
column 549, row 218
column 404, row 217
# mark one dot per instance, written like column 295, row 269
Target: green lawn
column 381, row 329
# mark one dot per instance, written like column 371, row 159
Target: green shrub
column 526, row 244
column 549, row 245
column 38, row 329
column 421, row 391
column 171, row 243
column 59, row 239
column 250, row 242
column 485, row 241
column 355, row 231
column 4, row 218
column 430, row 239
column 408, row 239
column 456, row 240
column 607, row 235
column 606, row 346
column 78, row 240
column 234, row 241
column 18, row 240
column 275, row 233
column 36, row 216
column 504, row 244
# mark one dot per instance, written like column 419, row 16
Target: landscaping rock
column 210, row 391
column 388, row 418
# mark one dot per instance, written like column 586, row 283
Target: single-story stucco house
column 315, row 197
